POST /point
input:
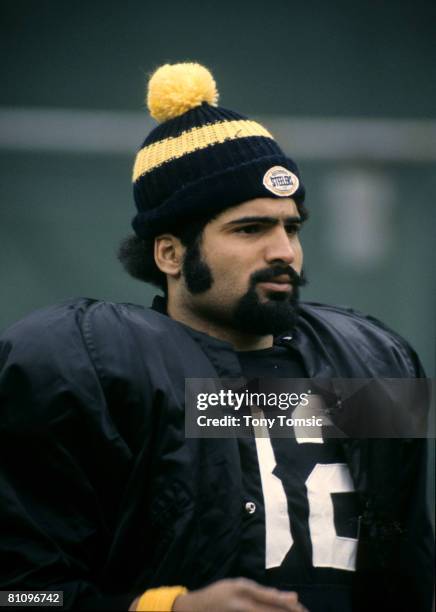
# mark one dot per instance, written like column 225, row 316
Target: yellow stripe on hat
column 195, row 139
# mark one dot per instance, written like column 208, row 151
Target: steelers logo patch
column 280, row 181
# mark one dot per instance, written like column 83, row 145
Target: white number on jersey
column 328, row 549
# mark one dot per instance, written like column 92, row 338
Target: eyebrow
column 264, row 219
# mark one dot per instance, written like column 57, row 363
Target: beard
column 278, row 314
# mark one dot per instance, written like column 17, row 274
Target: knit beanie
column 202, row 158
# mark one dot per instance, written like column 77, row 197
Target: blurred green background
column 347, row 88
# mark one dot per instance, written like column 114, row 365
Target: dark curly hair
column 137, row 254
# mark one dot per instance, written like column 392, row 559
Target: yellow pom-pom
column 175, row 88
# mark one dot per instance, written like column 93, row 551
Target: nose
column 281, row 247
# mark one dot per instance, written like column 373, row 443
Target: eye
column 293, row 229
column 249, row 229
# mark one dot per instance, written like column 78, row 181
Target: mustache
column 269, row 274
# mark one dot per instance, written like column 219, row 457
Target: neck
column 239, row 341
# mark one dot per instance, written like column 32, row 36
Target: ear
column 168, row 254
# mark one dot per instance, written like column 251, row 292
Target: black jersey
column 302, row 512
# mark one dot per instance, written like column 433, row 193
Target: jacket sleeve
column 417, row 555
column 396, row 531
column 62, row 462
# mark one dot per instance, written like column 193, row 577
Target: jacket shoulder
column 66, row 355
column 37, row 333
column 346, row 318
column 352, row 328
column 74, row 312
column 65, row 328
column 343, row 315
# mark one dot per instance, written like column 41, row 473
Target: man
column 103, row 495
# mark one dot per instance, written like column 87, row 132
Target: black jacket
column 103, row 497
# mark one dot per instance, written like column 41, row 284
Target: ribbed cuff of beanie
column 212, row 194
column 159, row 600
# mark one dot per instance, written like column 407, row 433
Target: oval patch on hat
column 281, row 181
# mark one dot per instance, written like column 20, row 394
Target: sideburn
column 196, row 272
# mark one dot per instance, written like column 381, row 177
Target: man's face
column 246, row 272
